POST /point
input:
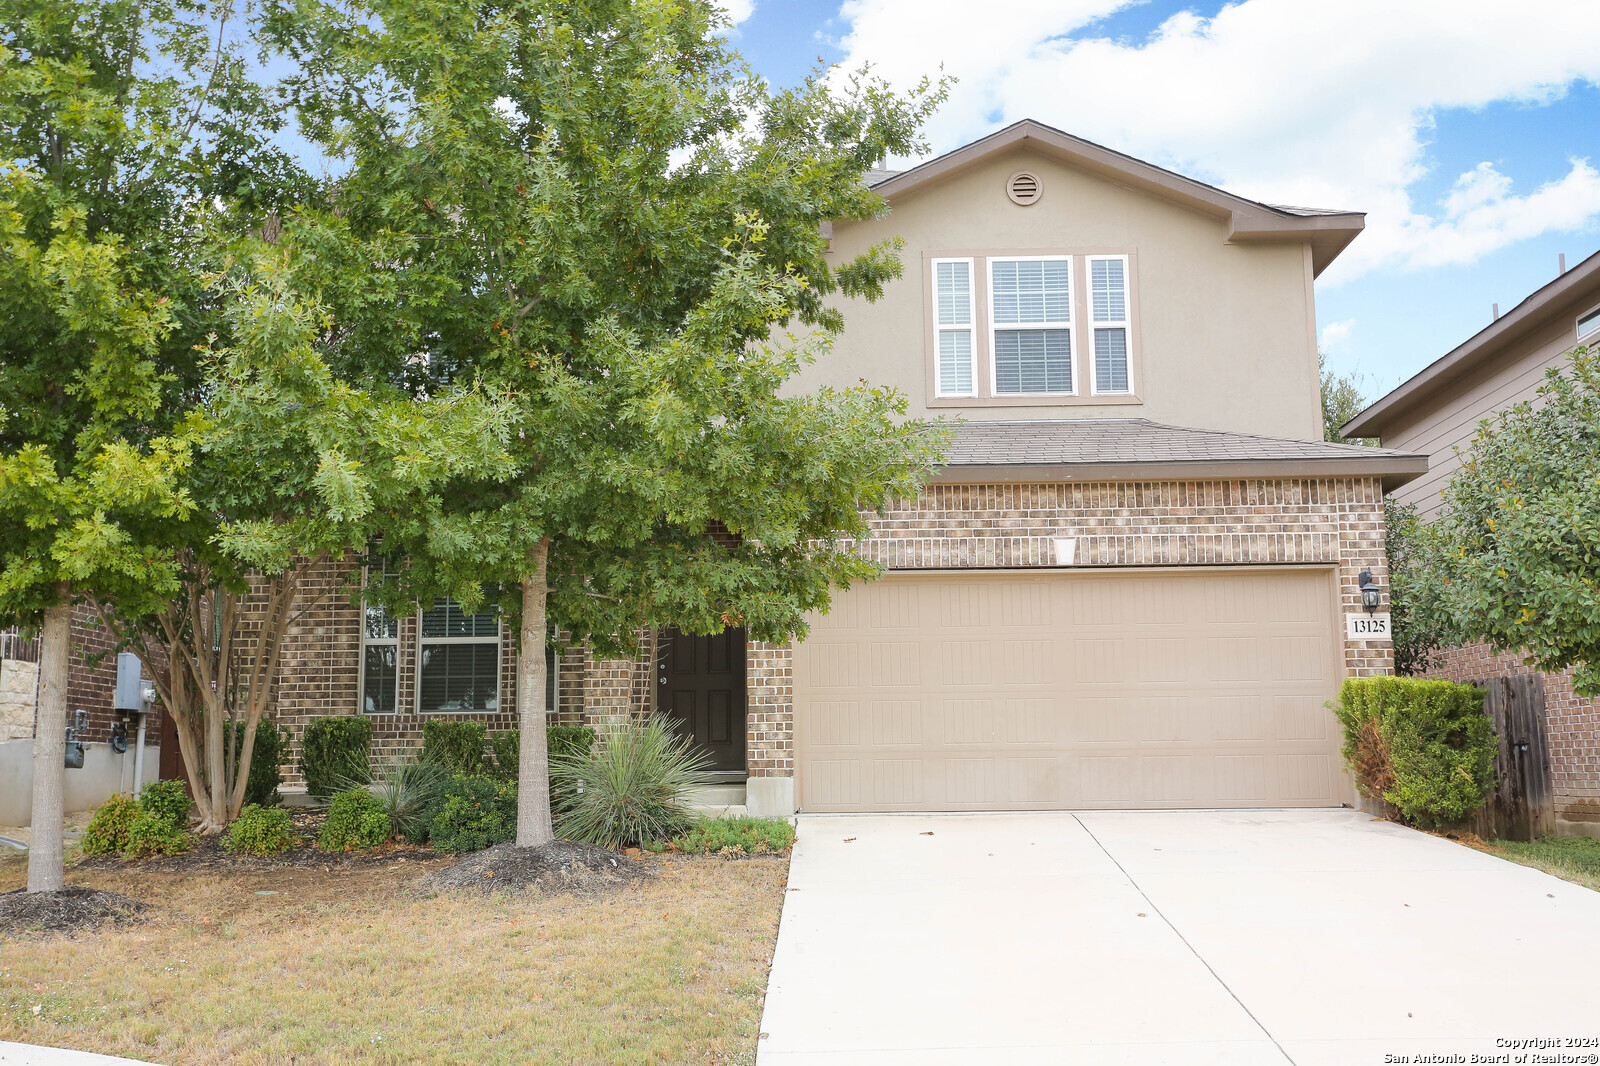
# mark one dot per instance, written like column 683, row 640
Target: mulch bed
column 207, row 853
column 558, row 867
column 69, row 910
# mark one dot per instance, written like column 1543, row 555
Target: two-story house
column 1437, row 412
column 1127, row 586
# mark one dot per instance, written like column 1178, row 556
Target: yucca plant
column 632, row 788
column 408, row 792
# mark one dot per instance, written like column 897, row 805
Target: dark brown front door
column 700, row 688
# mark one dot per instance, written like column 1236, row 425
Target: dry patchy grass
column 349, row 966
column 1575, row 859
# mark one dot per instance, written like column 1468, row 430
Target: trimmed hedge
column 107, row 833
column 356, row 819
column 334, row 754
column 260, row 831
column 476, row 811
column 162, row 827
column 1424, row 746
column 457, row 746
column 266, row 762
column 574, row 740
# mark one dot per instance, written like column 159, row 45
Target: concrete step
column 718, row 801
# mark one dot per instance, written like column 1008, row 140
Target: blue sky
column 1465, row 129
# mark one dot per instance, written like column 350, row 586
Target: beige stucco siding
column 1225, row 332
column 1450, row 418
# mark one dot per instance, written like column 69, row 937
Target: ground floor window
column 458, row 659
column 380, row 656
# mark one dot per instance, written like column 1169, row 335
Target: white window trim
column 499, row 665
column 554, row 667
column 970, row 328
column 1126, row 323
column 361, row 672
column 1594, row 331
column 1071, row 325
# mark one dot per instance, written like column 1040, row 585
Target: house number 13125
column 1367, row 627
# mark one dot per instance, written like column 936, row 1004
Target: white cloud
column 737, row 10
column 1335, row 334
column 1326, row 103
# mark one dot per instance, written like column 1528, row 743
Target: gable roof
column 1249, row 222
column 1136, row 449
column 1529, row 315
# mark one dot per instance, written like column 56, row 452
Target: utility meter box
column 130, row 683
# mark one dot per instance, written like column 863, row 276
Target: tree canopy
column 1514, row 556
column 594, row 207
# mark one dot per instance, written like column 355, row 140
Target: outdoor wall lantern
column 1370, row 592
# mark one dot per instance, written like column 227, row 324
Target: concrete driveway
column 1239, row 937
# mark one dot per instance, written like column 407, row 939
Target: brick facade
column 1337, row 521
column 1329, row 521
column 1572, row 724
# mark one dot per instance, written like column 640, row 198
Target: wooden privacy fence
column 1522, row 807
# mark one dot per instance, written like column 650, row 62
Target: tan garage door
column 1007, row 691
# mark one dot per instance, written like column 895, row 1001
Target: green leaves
column 1514, row 558
column 590, row 211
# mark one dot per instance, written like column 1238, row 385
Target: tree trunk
column 533, row 766
column 46, row 869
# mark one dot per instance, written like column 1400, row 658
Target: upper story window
column 1034, row 329
column 1108, row 300
column 458, row 659
column 1589, row 324
column 1031, row 324
column 953, row 347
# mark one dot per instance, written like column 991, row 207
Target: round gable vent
column 1023, row 188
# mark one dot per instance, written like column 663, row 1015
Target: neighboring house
column 1437, row 411
column 89, row 689
column 1128, row 585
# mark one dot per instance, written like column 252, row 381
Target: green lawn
column 1575, row 859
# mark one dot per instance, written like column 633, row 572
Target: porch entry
column 700, row 689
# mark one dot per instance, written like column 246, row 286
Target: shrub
column 150, row 834
column 333, row 752
column 410, row 794
column 167, row 801
column 559, row 739
column 260, row 831
column 356, row 819
column 477, row 811
column 631, row 789
column 266, row 762
column 1424, row 746
column 107, row 833
column 739, row 836
column 457, row 746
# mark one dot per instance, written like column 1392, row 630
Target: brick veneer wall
column 1335, row 521
column 1571, row 722
column 320, row 673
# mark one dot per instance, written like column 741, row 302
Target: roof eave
column 1248, row 221
column 1395, row 470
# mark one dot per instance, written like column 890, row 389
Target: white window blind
column 1589, row 323
column 1108, row 304
column 1032, row 324
column 458, row 659
column 952, row 299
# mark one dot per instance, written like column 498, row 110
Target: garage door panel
column 830, row 664
column 1123, row 689
column 966, row 663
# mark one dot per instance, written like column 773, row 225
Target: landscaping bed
column 209, row 852
column 346, row 961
